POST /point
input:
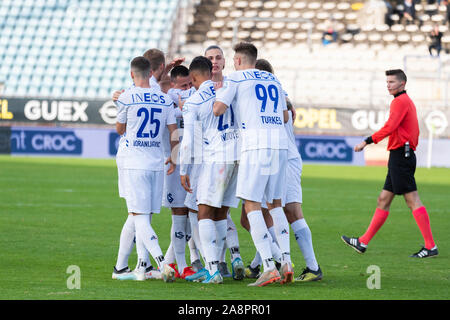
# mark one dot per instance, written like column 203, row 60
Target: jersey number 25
column 148, row 115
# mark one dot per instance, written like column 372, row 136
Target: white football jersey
column 218, row 137
column 292, row 146
column 183, row 94
column 154, row 83
column 258, row 101
column 146, row 111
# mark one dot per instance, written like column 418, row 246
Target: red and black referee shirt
column 402, row 125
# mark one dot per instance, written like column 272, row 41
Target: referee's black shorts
column 400, row 177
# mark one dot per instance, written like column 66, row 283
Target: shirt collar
column 207, row 83
column 399, row 93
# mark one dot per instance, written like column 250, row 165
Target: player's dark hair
column 398, row 73
column 201, row 64
column 179, row 71
column 214, row 47
column 263, row 64
column 156, row 58
column 247, row 49
column 141, row 66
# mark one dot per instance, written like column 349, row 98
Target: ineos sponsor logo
column 70, row 111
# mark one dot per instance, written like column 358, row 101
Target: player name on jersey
column 271, row 120
column 147, row 144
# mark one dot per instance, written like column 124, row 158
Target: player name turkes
column 271, row 120
column 146, row 144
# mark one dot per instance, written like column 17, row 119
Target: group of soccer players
column 198, row 142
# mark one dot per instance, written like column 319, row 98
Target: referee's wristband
column 369, row 140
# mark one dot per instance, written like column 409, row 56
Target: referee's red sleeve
column 396, row 115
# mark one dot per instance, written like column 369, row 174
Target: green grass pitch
column 58, row 212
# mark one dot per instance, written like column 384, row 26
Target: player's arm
column 174, row 140
column 116, row 95
column 396, row 115
column 175, row 62
column 291, row 108
column 186, row 148
column 284, row 106
column 219, row 108
column 173, row 136
column 224, row 97
column 285, row 116
column 121, row 127
column 121, row 120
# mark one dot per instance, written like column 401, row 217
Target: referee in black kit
column 402, row 128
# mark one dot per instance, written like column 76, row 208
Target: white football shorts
column 143, row 190
column 173, row 192
column 217, row 185
column 191, row 198
column 293, row 187
column 119, row 162
column 262, row 175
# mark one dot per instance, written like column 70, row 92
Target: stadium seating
column 78, row 48
column 289, row 34
column 82, row 48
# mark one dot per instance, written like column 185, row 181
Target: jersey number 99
column 263, row 94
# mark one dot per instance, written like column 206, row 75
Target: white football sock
column 126, row 243
column 276, row 252
column 208, row 236
column 193, row 251
column 142, row 252
column 146, row 234
column 257, row 261
column 179, row 241
column 304, row 241
column 221, row 233
column 260, row 237
column 223, row 252
column 193, row 219
column 232, row 238
column 170, row 253
column 281, row 227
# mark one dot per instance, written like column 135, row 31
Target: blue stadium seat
column 63, row 44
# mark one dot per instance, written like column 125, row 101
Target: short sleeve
column 171, row 119
column 283, row 99
column 122, row 109
column 227, row 93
